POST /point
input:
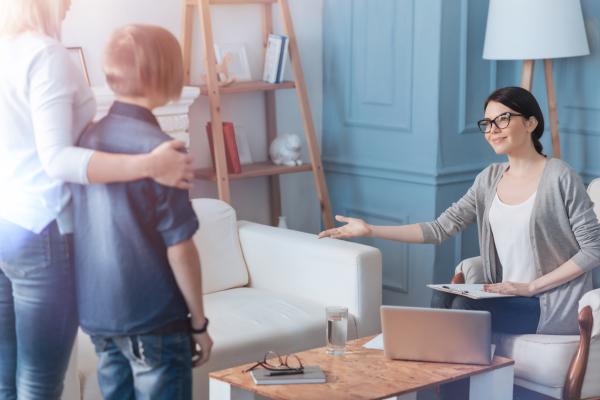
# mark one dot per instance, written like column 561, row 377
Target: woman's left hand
column 171, row 166
column 514, row 288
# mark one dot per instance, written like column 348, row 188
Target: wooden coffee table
column 363, row 374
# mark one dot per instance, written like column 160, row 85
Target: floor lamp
column 532, row 30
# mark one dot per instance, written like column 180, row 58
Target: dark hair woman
column 538, row 234
column 536, row 224
column 522, row 102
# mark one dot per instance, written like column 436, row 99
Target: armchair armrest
column 592, row 299
column 331, row 272
column 471, row 270
column 579, row 376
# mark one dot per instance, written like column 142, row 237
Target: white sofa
column 265, row 289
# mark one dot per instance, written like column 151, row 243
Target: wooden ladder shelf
column 214, row 92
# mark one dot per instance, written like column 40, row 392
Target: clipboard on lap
column 470, row 290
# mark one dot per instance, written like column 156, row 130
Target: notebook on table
column 312, row 374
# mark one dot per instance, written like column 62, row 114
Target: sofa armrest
column 592, row 299
column 327, row 271
column 472, row 270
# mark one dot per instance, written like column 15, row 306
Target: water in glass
column 337, row 330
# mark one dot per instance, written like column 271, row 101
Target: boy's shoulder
column 117, row 133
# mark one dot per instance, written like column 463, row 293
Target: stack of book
column 275, row 58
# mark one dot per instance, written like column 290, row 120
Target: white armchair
column 560, row 366
column 265, row 289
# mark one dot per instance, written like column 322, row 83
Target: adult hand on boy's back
column 205, row 342
column 170, row 166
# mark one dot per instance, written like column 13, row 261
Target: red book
column 231, row 152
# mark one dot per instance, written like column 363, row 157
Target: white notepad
column 470, row 290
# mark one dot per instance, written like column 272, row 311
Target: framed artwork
column 76, row 54
column 236, row 60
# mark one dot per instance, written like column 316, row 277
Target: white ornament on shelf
column 285, row 150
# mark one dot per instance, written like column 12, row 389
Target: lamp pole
column 552, row 112
column 527, row 74
column 527, row 82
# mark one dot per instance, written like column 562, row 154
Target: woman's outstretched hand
column 171, row 166
column 514, row 288
column 354, row 227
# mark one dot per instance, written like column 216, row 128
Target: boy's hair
column 144, row 61
column 42, row 16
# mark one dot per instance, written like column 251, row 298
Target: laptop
column 438, row 335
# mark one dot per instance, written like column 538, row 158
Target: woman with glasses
column 44, row 106
column 538, row 234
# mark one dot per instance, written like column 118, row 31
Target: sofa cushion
column 543, row 359
column 217, row 240
column 591, row 383
column 249, row 321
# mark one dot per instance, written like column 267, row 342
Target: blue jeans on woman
column 145, row 367
column 38, row 316
column 513, row 315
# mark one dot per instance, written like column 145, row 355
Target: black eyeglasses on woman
column 501, row 121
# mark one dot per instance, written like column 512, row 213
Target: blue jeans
column 145, row 367
column 514, row 315
column 38, row 318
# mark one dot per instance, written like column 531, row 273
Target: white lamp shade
column 534, row 29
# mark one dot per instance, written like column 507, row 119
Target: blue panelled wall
column 404, row 84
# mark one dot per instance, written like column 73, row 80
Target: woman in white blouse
column 44, row 106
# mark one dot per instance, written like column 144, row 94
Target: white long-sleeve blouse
column 45, row 104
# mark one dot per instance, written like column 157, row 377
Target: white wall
column 90, row 22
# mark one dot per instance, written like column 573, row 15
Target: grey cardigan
column 563, row 227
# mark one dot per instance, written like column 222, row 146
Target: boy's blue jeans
column 145, row 367
column 38, row 317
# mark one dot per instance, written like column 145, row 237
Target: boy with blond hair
column 137, row 270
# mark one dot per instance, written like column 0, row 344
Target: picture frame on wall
column 76, row 54
column 237, row 65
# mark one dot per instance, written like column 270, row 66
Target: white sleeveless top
column 510, row 227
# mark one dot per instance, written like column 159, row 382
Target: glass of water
column 337, row 329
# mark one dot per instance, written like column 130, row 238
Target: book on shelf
column 231, row 152
column 311, row 374
column 275, row 58
column 283, row 60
